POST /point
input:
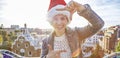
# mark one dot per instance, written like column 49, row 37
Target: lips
column 60, row 27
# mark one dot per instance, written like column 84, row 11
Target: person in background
column 64, row 41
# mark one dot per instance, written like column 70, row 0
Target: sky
column 34, row 12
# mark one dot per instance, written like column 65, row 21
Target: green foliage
column 6, row 45
column 1, row 39
column 8, row 38
column 118, row 47
column 4, row 35
column 96, row 52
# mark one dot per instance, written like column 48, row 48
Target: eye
column 55, row 19
column 63, row 18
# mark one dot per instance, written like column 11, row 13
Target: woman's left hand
column 69, row 7
column 72, row 7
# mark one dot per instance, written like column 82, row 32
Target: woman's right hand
column 54, row 54
column 72, row 7
column 76, row 6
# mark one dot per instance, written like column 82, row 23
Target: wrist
column 80, row 8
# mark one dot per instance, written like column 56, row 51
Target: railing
column 113, row 55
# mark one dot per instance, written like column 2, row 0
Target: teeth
column 59, row 27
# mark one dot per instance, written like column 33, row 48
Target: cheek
column 53, row 24
column 66, row 22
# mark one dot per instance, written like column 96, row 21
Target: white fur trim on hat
column 52, row 12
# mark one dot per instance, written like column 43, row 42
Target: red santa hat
column 57, row 4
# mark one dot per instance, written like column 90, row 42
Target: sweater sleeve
column 95, row 23
column 44, row 49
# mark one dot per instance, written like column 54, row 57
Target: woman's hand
column 76, row 53
column 54, row 54
column 69, row 7
column 79, row 7
column 72, row 7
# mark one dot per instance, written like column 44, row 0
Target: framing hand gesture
column 54, row 54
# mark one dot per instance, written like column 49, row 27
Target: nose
column 59, row 21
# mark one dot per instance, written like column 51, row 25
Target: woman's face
column 59, row 22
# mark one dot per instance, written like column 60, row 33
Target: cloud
column 109, row 10
column 106, row 2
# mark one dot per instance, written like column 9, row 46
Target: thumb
column 49, row 47
column 76, row 53
column 61, row 9
column 60, row 51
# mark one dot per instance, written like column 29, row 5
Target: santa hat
column 57, row 4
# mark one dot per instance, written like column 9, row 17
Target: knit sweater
column 61, row 43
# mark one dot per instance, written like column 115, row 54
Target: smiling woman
column 25, row 11
column 65, row 42
column 34, row 14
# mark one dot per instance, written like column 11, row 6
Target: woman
column 64, row 41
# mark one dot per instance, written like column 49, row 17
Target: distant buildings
column 118, row 32
column 15, row 26
column 27, row 45
column 29, row 40
column 90, row 45
column 107, row 39
column 110, row 39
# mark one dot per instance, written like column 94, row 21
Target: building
column 15, row 26
column 89, row 47
column 110, row 39
column 118, row 32
column 26, row 45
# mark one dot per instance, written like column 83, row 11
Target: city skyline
column 33, row 13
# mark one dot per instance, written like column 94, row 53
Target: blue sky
column 33, row 12
column 109, row 10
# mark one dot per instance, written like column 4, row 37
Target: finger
column 58, row 55
column 61, row 9
column 49, row 47
column 70, row 6
column 67, row 7
column 71, row 3
column 60, row 51
column 76, row 53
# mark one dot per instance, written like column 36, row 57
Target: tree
column 6, row 45
column 1, row 40
column 4, row 35
column 117, row 49
column 97, row 53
